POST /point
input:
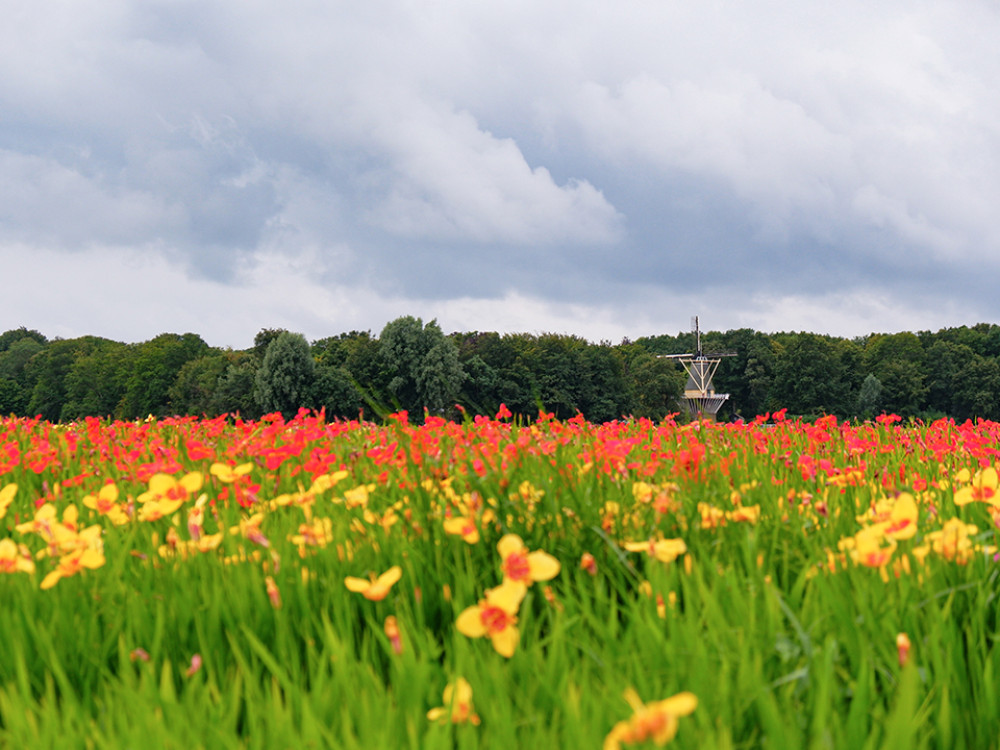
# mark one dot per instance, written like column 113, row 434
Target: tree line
column 411, row 365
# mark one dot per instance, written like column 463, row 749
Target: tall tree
column 284, row 381
column 423, row 365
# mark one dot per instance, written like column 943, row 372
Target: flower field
column 221, row 583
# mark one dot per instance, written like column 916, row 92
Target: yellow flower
column 14, row 559
column 463, row 527
column 495, row 617
column 952, row 542
column 229, row 474
column 902, row 522
column 711, row 517
column 522, row 567
column 984, row 488
column 174, row 492
column 656, row 722
column 746, row 513
column 72, row 563
column 457, row 706
column 6, row 498
column 358, row 495
column 664, row 550
column 319, row 533
column 106, row 503
column 375, row 589
column 869, row 547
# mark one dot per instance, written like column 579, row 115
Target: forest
column 413, row 366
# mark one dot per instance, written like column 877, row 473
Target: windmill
column 699, row 394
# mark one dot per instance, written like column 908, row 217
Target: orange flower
column 522, row 567
column 656, row 722
column 273, row 592
column 374, row 589
column 495, row 617
column 394, row 636
column 903, row 648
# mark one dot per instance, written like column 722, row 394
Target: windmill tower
column 700, row 397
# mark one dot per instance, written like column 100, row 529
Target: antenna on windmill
column 699, row 394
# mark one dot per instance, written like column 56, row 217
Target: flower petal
column 470, row 623
column 543, row 566
column 506, row 641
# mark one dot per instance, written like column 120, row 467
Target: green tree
column 284, row 381
column 263, row 340
column 335, row 391
column 977, row 389
column 869, row 397
column 809, row 376
column 943, row 359
column 897, row 360
column 7, row 338
column 758, row 375
column 423, row 365
column 45, row 374
column 12, row 398
column 234, row 390
column 153, row 368
column 13, row 361
column 653, row 384
column 196, row 385
column 95, row 382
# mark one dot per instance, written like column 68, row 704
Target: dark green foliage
column 423, row 366
column 235, row 387
column 46, row 374
column 96, row 381
column 869, row 398
column 977, row 388
column 810, row 378
column 263, row 340
column 954, row 372
column 335, row 391
column 284, row 381
column 8, row 338
column 197, row 382
column 897, row 361
column 12, row 399
column 153, row 369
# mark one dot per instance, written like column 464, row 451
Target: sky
column 606, row 170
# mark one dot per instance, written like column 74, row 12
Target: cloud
column 590, row 166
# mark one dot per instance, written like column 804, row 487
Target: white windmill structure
column 700, row 397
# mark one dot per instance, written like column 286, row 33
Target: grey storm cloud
column 585, row 156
